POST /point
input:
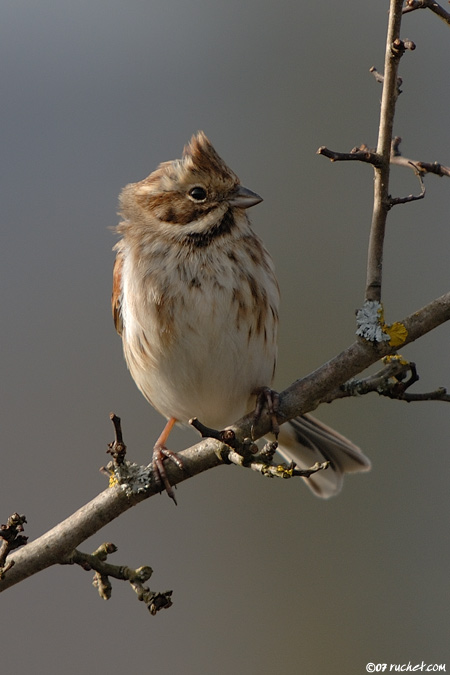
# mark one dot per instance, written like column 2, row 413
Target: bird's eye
column 198, row 194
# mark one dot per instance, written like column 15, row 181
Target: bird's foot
column 160, row 453
column 265, row 396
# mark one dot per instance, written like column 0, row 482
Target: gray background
column 266, row 578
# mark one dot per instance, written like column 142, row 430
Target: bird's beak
column 243, row 198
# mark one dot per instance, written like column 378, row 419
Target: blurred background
column 266, row 577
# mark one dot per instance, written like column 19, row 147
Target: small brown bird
column 195, row 299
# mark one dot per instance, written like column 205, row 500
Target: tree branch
column 392, row 381
column 419, row 168
column 136, row 577
column 58, row 545
column 381, row 203
column 370, row 319
column 412, row 5
column 359, row 154
column 380, row 159
column 363, row 153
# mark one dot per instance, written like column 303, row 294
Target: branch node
column 369, row 323
column 11, row 540
column 379, row 77
column 399, row 47
column 306, row 473
column 131, row 477
column 136, row 577
column 226, row 436
column 419, row 168
column 393, row 201
column 266, row 454
column 117, row 448
column 392, row 381
column 361, row 154
column 372, row 327
column 247, row 455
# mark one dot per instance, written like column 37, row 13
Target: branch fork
column 393, row 381
column 96, row 561
column 412, row 5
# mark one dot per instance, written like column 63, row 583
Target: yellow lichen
column 113, row 480
column 284, row 471
column 395, row 357
column 397, row 333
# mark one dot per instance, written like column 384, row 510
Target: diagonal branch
column 412, row 5
column 57, row 545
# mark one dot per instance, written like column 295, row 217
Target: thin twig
column 417, row 166
column 393, row 382
column 412, row 5
column 117, row 448
column 103, row 571
column 381, row 204
column 379, row 77
column 361, row 154
column 247, row 454
column 410, row 198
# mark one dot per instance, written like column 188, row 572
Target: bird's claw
column 271, row 398
column 160, row 453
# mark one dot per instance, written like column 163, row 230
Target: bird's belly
column 210, row 370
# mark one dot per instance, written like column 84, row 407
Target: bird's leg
column 160, row 452
column 271, row 398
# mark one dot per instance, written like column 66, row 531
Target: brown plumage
column 195, row 300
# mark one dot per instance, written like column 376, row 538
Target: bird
column 195, row 300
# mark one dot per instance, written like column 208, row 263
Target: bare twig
column 261, row 462
column 410, row 198
column 370, row 320
column 381, row 157
column 360, row 154
column 363, row 153
column 381, row 206
column 246, row 453
column 412, row 5
column 379, row 77
column 103, row 571
column 226, row 436
column 439, row 394
column 280, row 470
column 393, row 381
column 420, row 168
column 117, row 448
column 392, row 378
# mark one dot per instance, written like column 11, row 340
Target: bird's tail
column 305, row 441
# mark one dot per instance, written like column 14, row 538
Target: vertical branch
column 382, row 203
